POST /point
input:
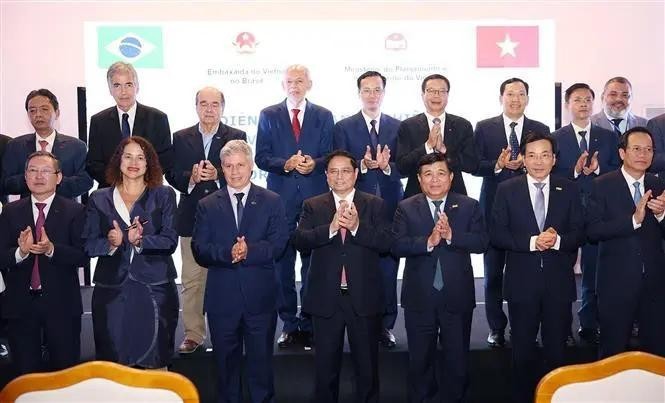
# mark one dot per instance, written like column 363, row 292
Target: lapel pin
column 453, row 206
column 558, row 188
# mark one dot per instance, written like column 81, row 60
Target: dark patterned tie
column 514, row 144
column 583, row 144
column 615, row 124
column 373, row 137
column 438, row 274
column 35, row 280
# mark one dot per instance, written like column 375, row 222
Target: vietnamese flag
column 515, row 46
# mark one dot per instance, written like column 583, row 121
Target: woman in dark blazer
column 129, row 228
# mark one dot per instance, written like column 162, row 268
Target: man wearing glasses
column 625, row 216
column 43, row 111
column 435, row 131
column 371, row 136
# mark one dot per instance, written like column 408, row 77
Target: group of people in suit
column 334, row 195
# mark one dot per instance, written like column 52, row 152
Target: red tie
column 43, row 144
column 295, row 124
column 35, row 281
column 342, row 232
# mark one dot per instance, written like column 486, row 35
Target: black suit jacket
column 359, row 255
column 71, row 154
column 412, row 226
column 58, row 274
column 3, row 146
column 187, row 151
column 533, row 275
column 626, row 255
column 458, row 139
column 105, row 135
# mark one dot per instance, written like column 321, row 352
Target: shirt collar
column 244, row 190
column 48, row 200
column 531, row 180
column 213, row 131
column 368, row 118
column 301, row 106
column 348, row 198
column 430, row 201
column 430, row 118
column 50, row 138
column 630, row 180
column 131, row 112
column 507, row 121
column 577, row 129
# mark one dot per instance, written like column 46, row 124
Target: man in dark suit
column 657, row 128
column 43, row 110
column 616, row 115
column 585, row 151
column 537, row 219
column 292, row 139
column 195, row 174
column 3, row 199
column 126, row 118
column 41, row 250
column 435, row 131
column 625, row 216
column 239, row 232
column 346, row 231
column 436, row 231
column 370, row 136
column 497, row 143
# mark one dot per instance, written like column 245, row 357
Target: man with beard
column 616, row 115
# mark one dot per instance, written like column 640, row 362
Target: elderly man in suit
column 43, row 111
column 125, row 119
column 585, row 151
column 371, row 136
column 435, row 130
column 196, row 174
column 537, row 218
column 346, row 230
column 239, row 232
column 497, row 142
column 657, row 128
column 41, row 250
column 625, row 216
column 292, row 139
column 616, row 115
column 436, row 231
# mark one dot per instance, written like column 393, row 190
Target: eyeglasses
column 539, row 157
column 371, row 91
column 640, row 150
column 343, row 172
column 432, row 91
column 43, row 171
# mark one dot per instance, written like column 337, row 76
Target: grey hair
column 121, row 67
column 236, row 147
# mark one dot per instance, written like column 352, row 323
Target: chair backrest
column 100, row 382
column 628, row 377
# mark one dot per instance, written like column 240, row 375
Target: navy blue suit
column 57, row 312
column 458, row 139
column 490, row 139
column 105, row 135
column 351, row 134
column 568, row 151
column 3, row 146
column 276, row 143
column 448, row 311
column 657, row 128
column 71, row 153
column 539, row 286
column 241, row 297
column 631, row 284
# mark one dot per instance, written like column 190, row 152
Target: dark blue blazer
column 153, row 265
column 412, row 226
column 275, row 143
column 568, row 151
column 657, row 128
column 623, row 252
column 187, row 151
column 58, row 274
column 458, row 139
column 70, row 151
column 490, row 138
column 533, row 275
column 251, row 283
column 105, row 135
column 358, row 254
column 351, row 134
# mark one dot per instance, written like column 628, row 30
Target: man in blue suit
column 43, row 110
column 537, row 218
column 292, row 139
column 239, row 232
column 497, row 143
column 196, row 173
column 625, row 216
column 436, row 231
column 657, row 128
column 370, row 136
column 616, row 115
column 585, row 151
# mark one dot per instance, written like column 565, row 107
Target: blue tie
column 514, row 144
column 125, row 126
column 583, row 144
column 239, row 208
column 539, row 205
column 438, row 274
column 637, row 195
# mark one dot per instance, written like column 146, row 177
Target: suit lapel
column 58, row 146
column 225, row 204
column 424, row 210
column 284, row 115
column 361, row 127
column 217, row 142
column 139, row 122
column 497, row 126
column 554, row 200
column 524, row 199
column 53, row 213
column 253, row 200
column 114, row 123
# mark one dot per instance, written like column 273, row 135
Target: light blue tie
column 637, row 195
column 438, row 275
column 539, row 206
